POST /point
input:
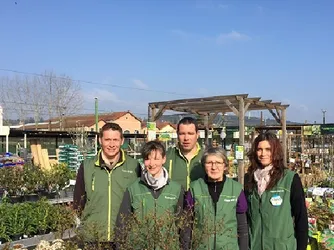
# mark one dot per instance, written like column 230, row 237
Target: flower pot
column 18, row 246
column 3, row 241
column 16, row 237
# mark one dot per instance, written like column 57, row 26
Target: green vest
column 215, row 230
column 181, row 170
column 270, row 221
column 104, row 192
column 155, row 218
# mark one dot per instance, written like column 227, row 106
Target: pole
column 241, row 162
column 96, row 116
column 323, row 139
column 7, row 144
column 25, row 141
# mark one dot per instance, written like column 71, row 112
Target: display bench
column 34, row 241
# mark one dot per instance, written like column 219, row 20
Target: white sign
column 318, row 191
column 239, row 152
column 4, row 130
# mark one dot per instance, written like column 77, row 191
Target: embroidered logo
column 127, row 171
column 170, row 197
column 230, row 200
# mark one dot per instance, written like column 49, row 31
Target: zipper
column 170, row 168
column 109, row 204
column 188, row 175
column 260, row 211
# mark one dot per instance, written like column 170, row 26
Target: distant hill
column 228, row 120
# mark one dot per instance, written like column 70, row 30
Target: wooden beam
column 153, row 110
column 229, row 104
column 192, row 100
column 160, row 112
column 278, row 112
column 246, row 107
column 275, row 116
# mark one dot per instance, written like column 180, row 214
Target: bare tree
column 14, row 97
column 46, row 94
column 63, row 95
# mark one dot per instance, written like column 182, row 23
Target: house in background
column 128, row 122
column 165, row 130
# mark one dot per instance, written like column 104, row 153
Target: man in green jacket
column 184, row 161
column 101, row 183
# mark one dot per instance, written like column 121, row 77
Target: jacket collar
column 100, row 162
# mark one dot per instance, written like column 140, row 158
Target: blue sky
column 278, row 50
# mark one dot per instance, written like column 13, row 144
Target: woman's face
column 214, row 167
column 154, row 162
column 263, row 153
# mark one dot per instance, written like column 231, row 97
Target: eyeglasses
column 216, row 163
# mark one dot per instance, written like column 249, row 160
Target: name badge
column 276, row 200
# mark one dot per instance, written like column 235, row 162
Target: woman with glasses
column 218, row 207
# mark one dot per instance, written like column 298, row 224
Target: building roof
column 86, row 120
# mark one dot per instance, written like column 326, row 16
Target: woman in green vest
column 218, row 207
column 277, row 215
column 151, row 206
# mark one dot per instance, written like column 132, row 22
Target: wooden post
column 241, row 163
column 149, row 114
column 153, row 114
column 284, row 137
column 206, row 125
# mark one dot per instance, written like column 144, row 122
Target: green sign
column 327, row 129
column 151, row 126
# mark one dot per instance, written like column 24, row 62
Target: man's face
column 187, row 137
column 111, row 143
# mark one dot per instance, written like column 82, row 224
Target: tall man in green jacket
column 184, row 161
column 101, row 183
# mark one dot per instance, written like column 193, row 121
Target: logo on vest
column 276, row 200
column 230, row 200
column 127, row 171
column 170, row 197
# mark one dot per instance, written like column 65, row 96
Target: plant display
column 33, row 218
column 25, row 182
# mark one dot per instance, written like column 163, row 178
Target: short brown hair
column 151, row 146
column 186, row 121
column 113, row 126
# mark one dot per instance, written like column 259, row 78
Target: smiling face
column 154, row 162
column 187, row 136
column 111, row 143
column 215, row 167
column 263, row 152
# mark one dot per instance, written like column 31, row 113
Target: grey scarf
column 155, row 183
column 262, row 178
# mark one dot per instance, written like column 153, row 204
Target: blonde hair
column 219, row 152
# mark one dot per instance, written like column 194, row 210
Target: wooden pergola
column 210, row 107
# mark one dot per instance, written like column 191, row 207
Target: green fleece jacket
column 183, row 171
column 104, row 191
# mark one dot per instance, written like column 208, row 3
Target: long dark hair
column 277, row 155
